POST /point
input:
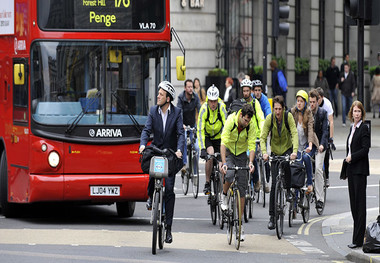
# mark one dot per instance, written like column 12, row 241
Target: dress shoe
column 353, row 245
column 169, row 238
column 149, row 204
column 319, row 204
column 271, row 224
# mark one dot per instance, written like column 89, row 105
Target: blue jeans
column 334, row 99
column 196, row 146
column 346, row 104
column 306, row 159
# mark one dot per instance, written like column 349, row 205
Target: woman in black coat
column 357, row 148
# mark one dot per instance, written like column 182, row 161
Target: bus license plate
column 105, row 190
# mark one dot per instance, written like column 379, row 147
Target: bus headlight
column 53, row 159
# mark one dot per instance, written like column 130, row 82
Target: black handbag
column 298, row 172
column 343, row 172
column 175, row 163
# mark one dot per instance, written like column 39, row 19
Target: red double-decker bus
column 77, row 78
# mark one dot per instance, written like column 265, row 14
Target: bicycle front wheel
column 156, row 218
column 212, row 200
column 185, row 180
column 237, row 218
column 263, row 179
column 229, row 215
column 305, row 206
column 195, row 174
column 279, row 208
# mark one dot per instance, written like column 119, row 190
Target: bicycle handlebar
column 211, row 156
column 188, row 128
column 238, row 168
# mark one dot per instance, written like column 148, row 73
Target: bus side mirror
column 115, row 56
column 181, row 68
column 19, row 74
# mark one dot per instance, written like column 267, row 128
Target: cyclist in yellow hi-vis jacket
column 211, row 119
column 238, row 136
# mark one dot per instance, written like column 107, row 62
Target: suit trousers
column 169, row 197
column 357, row 186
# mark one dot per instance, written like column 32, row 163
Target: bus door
column 18, row 149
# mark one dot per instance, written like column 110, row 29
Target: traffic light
column 363, row 9
column 279, row 11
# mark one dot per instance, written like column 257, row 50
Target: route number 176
column 126, row 3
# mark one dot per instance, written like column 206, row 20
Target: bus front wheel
column 125, row 209
column 7, row 208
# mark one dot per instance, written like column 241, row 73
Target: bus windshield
column 111, row 83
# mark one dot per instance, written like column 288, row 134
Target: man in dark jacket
column 166, row 124
column 276, row 88
column 332, row 76
column 347, row 87
column 321, row 130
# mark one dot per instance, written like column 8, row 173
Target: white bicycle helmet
column 246, row 83
column 213, row 92
column 168, row 87
column 257, row 83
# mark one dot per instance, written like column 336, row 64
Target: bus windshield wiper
column 74, row 124
column 126, row 110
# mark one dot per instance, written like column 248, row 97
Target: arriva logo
column 105, row 133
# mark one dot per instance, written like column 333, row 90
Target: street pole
column 265, row 43
column 360, row 81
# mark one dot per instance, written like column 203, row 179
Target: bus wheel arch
column 125, row 209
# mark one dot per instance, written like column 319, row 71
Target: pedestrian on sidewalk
column 357, row 149
column 375, row 99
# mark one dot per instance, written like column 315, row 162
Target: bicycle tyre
column 229, row 215
column 217, row 189
column 305, row 207
column 320, row 210
column 291, row 209
column 279, row 206
column 161, row 229
column 251, row 198
column 212, row 200
column 263, row 180
column 186, row 176
column 195, row 175
column 156, row 213
column 237, row 219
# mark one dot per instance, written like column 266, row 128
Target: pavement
column 337, row 230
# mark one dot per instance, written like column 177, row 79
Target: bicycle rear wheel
column 229, row 215
column 237, row 218
column 156, row 214
column 291, row 211
column 195, row 174
column 279, row 208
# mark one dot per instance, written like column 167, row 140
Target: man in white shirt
column 325, row 104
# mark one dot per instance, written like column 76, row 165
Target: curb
column 332, row 239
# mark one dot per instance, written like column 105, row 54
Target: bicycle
column 159, row 171
column 249, row 199
column 262, row 173
column 216, row 185
column 233, row 212
column 192, row 165
column 280, row 205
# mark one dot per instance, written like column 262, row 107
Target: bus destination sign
column 101, row 15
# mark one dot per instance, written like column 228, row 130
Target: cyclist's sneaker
column 257, row 186
column 242, row 235
column 327, row 182
column 223, row 205
column 267, row 190
column 319, row 204
column 207, row 189
column 183, row 170
column 289, row 197
column 149, row 204
column 309, row 189
column 271, row 223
